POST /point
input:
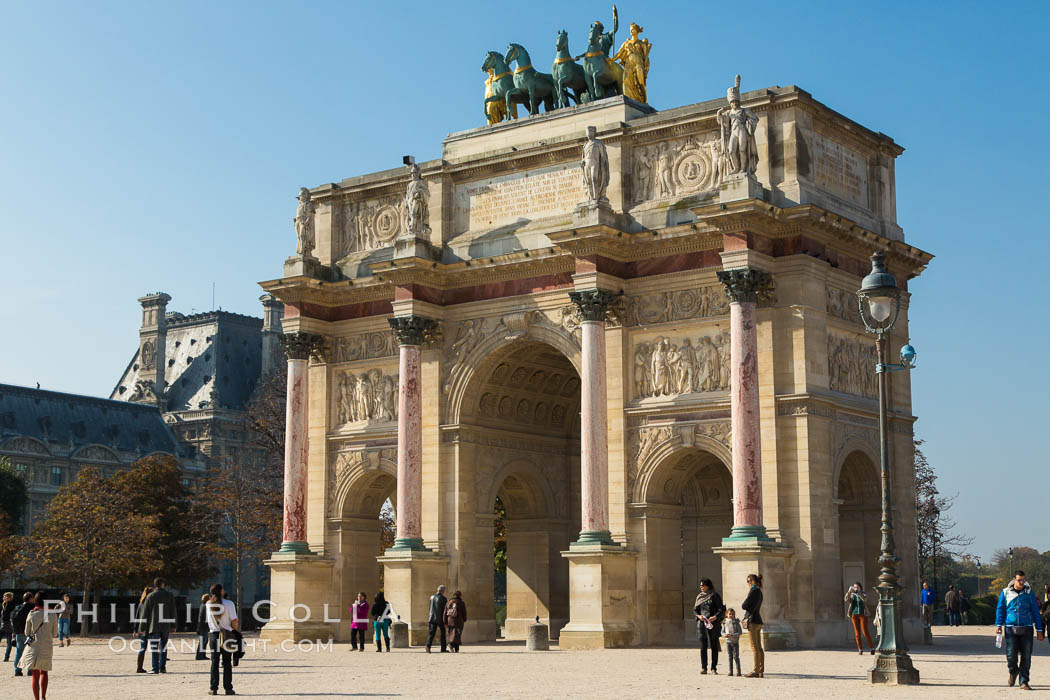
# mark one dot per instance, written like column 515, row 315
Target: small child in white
column 732, row 630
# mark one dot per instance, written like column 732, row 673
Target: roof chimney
column 273, row 310
column 152, row 341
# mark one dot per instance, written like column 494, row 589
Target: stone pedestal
column 739, row 186
column 300, row 585
column 399, row 634
column 601, row 597
column 538, row 637
column 769, row 560
column 307, row 266
column 410, row 577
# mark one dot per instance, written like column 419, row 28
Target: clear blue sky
column 159, row 146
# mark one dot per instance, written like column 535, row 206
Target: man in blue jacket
column 1018, row 611
column 928, row 598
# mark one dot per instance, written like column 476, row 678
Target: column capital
column 594, row 304
column 413, row 330
column 747, row 284
column 300, row 345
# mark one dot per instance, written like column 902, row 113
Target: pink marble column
column 296, row 443
column 411, row 332
column 744, row 287
column 594, row 429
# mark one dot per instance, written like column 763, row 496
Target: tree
column 12, row 494
column 153, row 485
column 91, row 536
column 938, row 545
column 238, row 503
column 265, row 421
column 11, row 543
column 1005, row 561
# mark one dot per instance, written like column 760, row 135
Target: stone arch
column 858, row 507
column 665, row 448
column 538, row 501
column 851, row 446
column 684, row 504
column 488, row 353
column 358, row 478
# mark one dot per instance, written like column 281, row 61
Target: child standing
column 732, row 630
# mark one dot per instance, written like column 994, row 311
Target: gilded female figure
column 634, row 57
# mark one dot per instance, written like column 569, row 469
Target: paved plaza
column 962, row 664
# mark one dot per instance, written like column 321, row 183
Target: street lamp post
column 879, row 303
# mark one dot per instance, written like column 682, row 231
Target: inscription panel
column 840, row 170
column 502, row 200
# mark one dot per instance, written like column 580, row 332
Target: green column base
column 294, row 548
column 595, row 537
column 748, row 532
column 414, row 544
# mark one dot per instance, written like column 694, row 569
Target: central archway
column 519, row 441
column 685, row 510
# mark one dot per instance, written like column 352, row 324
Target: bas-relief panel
column 676, row 168
column 364, row 346
column 685, row 304
column 365, row 396
column 370, row 224
column 840, row 170
column 843, row 304
column 507, row 199
column 688, row 365
column 851, row 366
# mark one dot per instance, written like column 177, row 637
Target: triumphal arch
column 637, row 330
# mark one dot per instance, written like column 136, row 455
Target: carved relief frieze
column 366, row 396
column 805, row 408
column 364, row 346
column 676, row 168
column 851, row 366
column 685, row 304
column 719, row 431
column 842, row 304
column 663, row 368
column 371, row 224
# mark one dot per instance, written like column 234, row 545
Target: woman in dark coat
column 202, row 629
column 752, row 606
column 709, row 610
column 455, row 617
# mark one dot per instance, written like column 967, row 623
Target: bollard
column 538, row 638
column 399, row 634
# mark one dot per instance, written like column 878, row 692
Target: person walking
column 1044, row 607
column 455, row 618
column 1018, row 612
column 142, row 640
column 964, row 607
column 222, row 622
column 359, row 621
column 64, row 619
column 709, row 610
column 752, row 606
column 202, row 629
column 158, row 614
column 40, row 628
column 927, row 599
column 951, row 606
column 7, row 630
column 382, row 616
column 438, row 601
column 857, row 612
column 732, row 630
column 18, row 624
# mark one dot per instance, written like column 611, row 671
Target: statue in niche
column 595, row 166
column 737, row 124
column 664, row 166
column 304, row 224
column 634, row 57
column 643, row 174
column 417, row 203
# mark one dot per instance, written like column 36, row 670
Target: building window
column 56, row 476
column 185, row 483
column 22, row 468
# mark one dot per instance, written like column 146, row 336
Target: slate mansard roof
column 61, row 423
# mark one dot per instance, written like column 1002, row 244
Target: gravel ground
column 963, row 663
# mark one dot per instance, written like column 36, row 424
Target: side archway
column 858, row 498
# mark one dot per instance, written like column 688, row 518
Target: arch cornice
column 668, row 442
column 355, row 470
column 853, row 444
column 539, row 482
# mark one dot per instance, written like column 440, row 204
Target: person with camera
column 222, row 623
column 857, row 613
column 41, row 626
